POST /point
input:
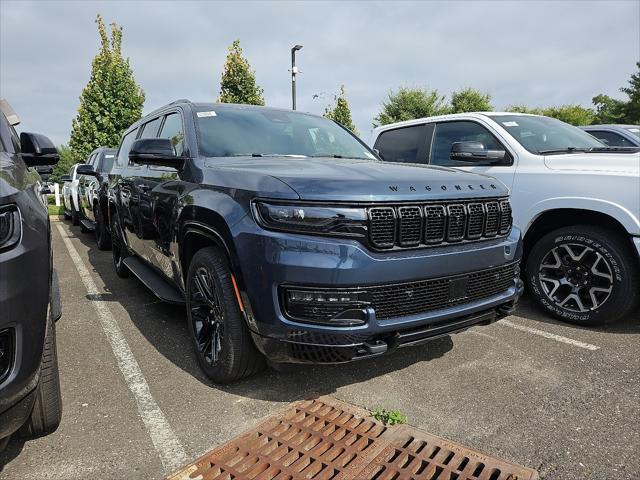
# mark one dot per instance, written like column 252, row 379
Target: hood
column 366, row 180
column 625, row 163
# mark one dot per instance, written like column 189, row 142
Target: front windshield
column 634, row 130
column 235, row 131
column 545, row 135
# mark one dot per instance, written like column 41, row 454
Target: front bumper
column 270, row 260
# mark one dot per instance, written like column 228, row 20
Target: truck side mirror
column 155, row 151
column 475, row 152
column 37, row 150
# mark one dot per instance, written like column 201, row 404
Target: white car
column 70, row 194
column 576, row 200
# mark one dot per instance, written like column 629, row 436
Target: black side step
column 87, row 224
column 153, row 280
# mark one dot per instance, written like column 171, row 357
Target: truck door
column 448, row 132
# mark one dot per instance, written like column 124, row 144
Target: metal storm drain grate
column 326, row 439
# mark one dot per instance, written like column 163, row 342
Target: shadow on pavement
column 12, row 450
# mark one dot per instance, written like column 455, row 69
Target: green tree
column 110, row 102
column 607, row 109
column 409, row 103
column 67, row 160
column 470, row 100
column 572, row 114
column 631, row 109
column 341, row 112
column 238, row 84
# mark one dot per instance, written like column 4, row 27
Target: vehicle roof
column 450, row 116
column 612, row 126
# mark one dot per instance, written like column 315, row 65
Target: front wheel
column 221, row 339
column 118, row 248
column 103, row 239
column 584, row 275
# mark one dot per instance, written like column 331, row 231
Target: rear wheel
column 103, row 238
column 118, row 248
column 584, row 275
column 47, row 409
column 221, row 339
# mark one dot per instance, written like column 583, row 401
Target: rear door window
column 125, row 146
column 150, row 129
column 402, row 144
column 172, row 129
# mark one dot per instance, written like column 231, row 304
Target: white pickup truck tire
column 584, row 274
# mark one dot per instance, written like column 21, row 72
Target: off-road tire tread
column 619, row 246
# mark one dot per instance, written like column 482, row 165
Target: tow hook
column 375, row 348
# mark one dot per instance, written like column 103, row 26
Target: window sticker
column 206, row 114
column 510, row 124
column 108, row 156
column 634, row 130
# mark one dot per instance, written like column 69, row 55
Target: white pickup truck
column 576, row 200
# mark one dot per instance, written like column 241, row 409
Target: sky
column 539, row 53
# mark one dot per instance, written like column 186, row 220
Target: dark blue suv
column 287, row 238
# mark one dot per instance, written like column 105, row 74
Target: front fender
column 628, row 219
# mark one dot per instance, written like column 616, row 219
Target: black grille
column 410, row 222
column 382, row 226
column 433, row 224
column 404, row 299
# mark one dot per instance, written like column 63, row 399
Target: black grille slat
column 412, row 298
column 506, row 218
column 475, row 225
column 410, row 226
column 435, row 220
column 492, row 221
column 382, row 231
column 456, row 222
column 407, row 226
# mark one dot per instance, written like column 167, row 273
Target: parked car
column 92, row 194
column 616, row 135
column 29, row 294
column 575, row 199
column 287, row 239
column 70, row 202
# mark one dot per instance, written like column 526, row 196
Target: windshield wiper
column 614, row 149
column 563, row 150
column 269, row 155
column 335, row 155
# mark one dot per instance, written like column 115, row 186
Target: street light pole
column 294, row 71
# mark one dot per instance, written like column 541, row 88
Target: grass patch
column 53, row 210
column 389, row 417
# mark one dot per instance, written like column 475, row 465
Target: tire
column 583, row 274
column 221, row 339
column 118, row 248
column 103, row 238
column 75, row 215
column 47, row 409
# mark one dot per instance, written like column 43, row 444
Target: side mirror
column 65, row 178
column 44, row 170
column 37, row 150
column 85, row 169
column 475, row 152
column 155, row 151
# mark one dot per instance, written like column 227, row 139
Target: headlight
column 312, row 218
column 9, row 226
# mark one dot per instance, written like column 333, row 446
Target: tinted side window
column 125, row 146
column 611, row 139
column 401, row 144
column 172, row 129
column 106, row 164
column 447, row 133
column 150, row 129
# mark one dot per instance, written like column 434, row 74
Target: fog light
column 324, row 305
column 6, row 353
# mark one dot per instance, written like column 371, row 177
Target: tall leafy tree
column 631, row 110
column 470, row 100
column 340, row 112
column 573, row 114
column 607, row 109
column 238, row 84
column 110, row 102
column 67, row 160
column 409, row 103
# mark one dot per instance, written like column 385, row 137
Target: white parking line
column 164, row 440
column 552, row 336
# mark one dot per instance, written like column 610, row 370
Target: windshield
column 634, row 130
column 546, row 135
column 233, row 131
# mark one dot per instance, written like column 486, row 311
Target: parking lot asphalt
column 559, row 398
